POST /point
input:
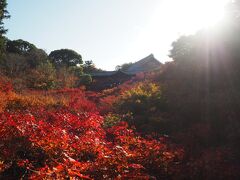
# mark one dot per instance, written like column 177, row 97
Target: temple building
column 109, row 79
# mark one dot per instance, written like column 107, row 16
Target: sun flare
column 173, row 18
column 192, row 15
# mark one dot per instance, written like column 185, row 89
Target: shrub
column 111, row 120
column 21, row 102
column 43, row 77
column 85, row 80
column 61, row 145
column 146, row 104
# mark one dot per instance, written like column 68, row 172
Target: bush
column 59, row 144
column 43, row 77
column 21, row 102
column 146, row 104
column 85, row 80
column 111, row 120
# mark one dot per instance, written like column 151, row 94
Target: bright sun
column 173, row 18
column 195, row 14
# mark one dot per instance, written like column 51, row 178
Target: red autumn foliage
column 61, row 144
column 71, row 142
column 5, row 85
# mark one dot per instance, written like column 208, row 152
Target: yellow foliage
column 20, row 101
column 143, row 89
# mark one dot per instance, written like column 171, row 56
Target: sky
column 110, row 32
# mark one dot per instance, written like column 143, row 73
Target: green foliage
column 36, row 57
column 85, row 79
column 3, row 15
column 32, row 55
column 19, row 47
column 76, row 70
column 111, row 120
column 89, row 67
column 65, row 57
column 20, row 58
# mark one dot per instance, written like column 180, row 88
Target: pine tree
column 3, row 15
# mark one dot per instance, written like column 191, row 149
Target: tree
column 32, row 55
column 85, row 80
column 3, row 15
column 123, row 67
column 65, row 57
column 202, row 83
column 20, row 47
column 36, row 57
column 89, row 67
column 21, row 56
column 76, row 70
column 142, row 105
column 13, row 65
column 67, row 77
column 43, row 77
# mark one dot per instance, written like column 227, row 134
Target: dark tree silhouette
column 28, row 52
column 181, row 49
column 89, row 67
column 20, row 47
column 123, row 67
column 3, row 15
column 65, row 57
